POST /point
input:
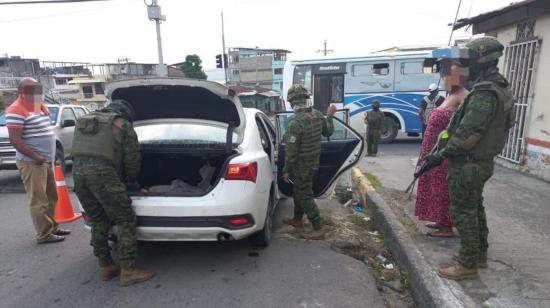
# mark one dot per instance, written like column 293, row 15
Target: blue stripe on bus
column 404, row 103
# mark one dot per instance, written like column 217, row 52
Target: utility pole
column 154, row 13
column 454, row 23
column 325, row 51
column 224, row 58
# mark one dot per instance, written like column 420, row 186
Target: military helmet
column 123, row 108
column 376, row 104
column 485, row 49
column 297, row 93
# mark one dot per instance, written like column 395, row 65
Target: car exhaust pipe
column 223, row 236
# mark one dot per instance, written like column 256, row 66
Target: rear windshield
column 2, row 119
column 182, row 133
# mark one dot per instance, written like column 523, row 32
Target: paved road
column 518, row 213
column 290, row 273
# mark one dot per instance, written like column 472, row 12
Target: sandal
column 440, row 234
column 433, row 226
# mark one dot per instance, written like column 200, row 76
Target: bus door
column 328, row 85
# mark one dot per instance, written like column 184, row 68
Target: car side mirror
column 68, row 123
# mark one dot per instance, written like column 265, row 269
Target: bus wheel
column 391, row 131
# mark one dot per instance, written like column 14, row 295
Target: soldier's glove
column 434, row 160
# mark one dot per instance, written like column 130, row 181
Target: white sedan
column 210, row 167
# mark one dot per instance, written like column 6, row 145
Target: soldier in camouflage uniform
column 106, row 153
column 375, row 121
column 477, row 133
column 302, row 151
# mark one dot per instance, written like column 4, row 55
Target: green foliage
column 192, row 67
column 373, row 179
column 2, row 104
column 405, row 278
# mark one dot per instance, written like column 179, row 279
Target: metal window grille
column 519, row 64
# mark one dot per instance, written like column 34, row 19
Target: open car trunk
column 169, row 172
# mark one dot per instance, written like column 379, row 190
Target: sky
column 99, row 32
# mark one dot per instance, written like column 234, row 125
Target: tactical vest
column 310, row 147
column 94, row 138
column 375, row 120
column 492, row 142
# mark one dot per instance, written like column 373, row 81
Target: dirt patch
column 353, row 234
column 397, row 201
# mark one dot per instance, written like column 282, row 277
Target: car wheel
column 391, row 131
column 263, row 238
column 60, row 159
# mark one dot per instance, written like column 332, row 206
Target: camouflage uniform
column 302, row 151
column 477, row 133
column 100, row 187
column 375, row 125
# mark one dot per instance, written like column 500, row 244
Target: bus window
column 413, row 77
column 302, row 76
column 370, row 78
column 381, row 69
column 409, row 68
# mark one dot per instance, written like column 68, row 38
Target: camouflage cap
column 297, row 92
column 485, row 49
column 376, row 104
column 122, row 107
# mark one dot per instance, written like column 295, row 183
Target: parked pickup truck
column 63, row 118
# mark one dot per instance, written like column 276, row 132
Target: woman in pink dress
column 432, row 197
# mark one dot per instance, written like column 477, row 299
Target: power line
column 47, row 2
column 64, row 13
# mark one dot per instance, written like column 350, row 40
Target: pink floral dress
column 432, row 197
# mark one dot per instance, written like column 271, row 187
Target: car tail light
column 239, row 221
column 244, row 171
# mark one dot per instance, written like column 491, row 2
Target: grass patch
column 373, row 179
column 359, row 221
column 405, row 279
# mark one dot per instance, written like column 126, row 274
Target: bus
column 399, row 80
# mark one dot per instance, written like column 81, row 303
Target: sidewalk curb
column 428, row 289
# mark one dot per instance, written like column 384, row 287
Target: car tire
column 263, row 238
column 391, row 131
column 60, row 159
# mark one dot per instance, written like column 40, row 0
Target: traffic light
column 225, row 62
column 219, row 63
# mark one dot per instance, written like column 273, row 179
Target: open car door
column 339, row 153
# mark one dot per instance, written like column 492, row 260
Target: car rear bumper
column 7, row 162
column 201, row 218
column 191, row 230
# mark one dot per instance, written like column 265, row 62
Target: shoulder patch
column 292, row 139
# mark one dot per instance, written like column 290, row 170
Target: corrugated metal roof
column 482, row 17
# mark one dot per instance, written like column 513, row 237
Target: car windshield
column 53, row 114
column 182, row 133
column 2, row 119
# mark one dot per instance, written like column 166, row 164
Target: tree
column 2, row 105
column 192, row 68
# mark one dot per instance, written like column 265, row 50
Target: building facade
column 523, row 28
column 257, row 67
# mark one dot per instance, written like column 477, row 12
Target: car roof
column 65, row 105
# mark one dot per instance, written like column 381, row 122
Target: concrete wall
column 538, row 142
column 537, row 154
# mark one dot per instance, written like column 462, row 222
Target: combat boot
column 134, row 275
column 315, row 235
column 293, row 222
column 109, row 272
column 458, row 272
column 480, row 264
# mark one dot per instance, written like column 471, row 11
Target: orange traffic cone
column 64, row 208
